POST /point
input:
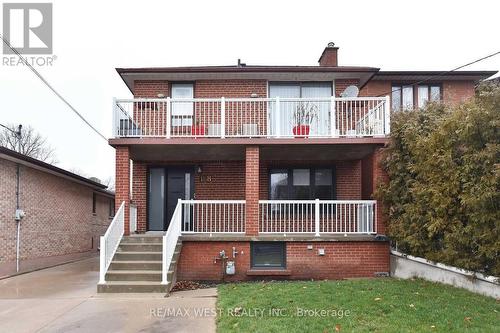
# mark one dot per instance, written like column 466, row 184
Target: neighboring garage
column 64, row 214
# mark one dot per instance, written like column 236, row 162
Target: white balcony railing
column 213, row 216
column 110, row 241
column 317, row 216
column 252, row 117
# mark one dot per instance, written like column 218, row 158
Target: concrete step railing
column 110, row 241
column 169, row 242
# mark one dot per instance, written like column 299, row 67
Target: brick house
column 64, row 214
column 251, row 172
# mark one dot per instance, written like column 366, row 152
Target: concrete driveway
column 64, row 299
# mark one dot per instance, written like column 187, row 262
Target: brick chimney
column 329, row 56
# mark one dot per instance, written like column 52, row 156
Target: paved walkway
column 64, row 299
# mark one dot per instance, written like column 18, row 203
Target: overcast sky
column 91, row 38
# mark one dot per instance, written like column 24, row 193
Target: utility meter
column 230, row 269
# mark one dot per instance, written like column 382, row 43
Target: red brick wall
column 151, row 88
column 341, row 260
column 376, row 88
column 230, row 88
column 455, row 92
column 122, row 182
column 139, row 194
column 252, row 180
column 59, row 219
column 227, row 181
column 197, row 260
column 348, row 180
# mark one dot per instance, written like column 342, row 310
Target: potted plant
column 198, row 130
column 303, row 116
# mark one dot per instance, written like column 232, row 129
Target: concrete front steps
column 137, row 267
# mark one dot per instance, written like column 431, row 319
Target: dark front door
column 179, row 186
column 166, row 186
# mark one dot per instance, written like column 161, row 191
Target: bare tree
column 31, row 143
column 110, row 183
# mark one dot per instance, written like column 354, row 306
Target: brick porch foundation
column 349, row 259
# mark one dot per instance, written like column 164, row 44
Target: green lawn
column 367, row 305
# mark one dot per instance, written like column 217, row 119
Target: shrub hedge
column 443, row 196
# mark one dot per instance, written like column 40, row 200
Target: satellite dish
column 351, row 91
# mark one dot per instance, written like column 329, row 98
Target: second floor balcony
column 331, row 117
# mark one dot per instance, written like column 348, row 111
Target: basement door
column 165, row 187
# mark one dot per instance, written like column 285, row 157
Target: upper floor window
column 406, row 97
column 182, row 112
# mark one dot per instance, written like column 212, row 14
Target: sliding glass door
column 315, row 114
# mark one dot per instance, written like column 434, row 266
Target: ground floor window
column 268, row 255
column 302, row 184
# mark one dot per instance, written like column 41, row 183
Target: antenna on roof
column 241, row 64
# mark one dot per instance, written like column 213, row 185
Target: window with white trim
column 406, row 97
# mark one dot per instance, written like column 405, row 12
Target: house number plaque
column 206, row 179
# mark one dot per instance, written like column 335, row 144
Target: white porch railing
column 213, row 216
column 110, row 241
column 329, row 117
column 170, row 240
column 317, row 216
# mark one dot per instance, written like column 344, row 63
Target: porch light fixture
column 254, row 95
column 199, row 169
column 160, row 95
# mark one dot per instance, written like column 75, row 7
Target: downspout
column 18, row 220
column 18, row 172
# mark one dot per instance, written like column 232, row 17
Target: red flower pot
column 197, row 130
column 301, row 130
